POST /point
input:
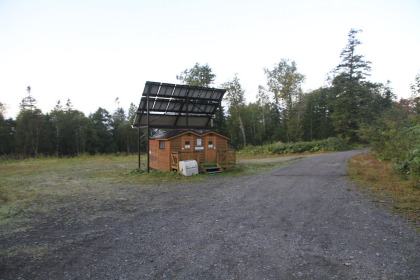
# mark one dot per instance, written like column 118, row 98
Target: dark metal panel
column 172, row 106
column 156, row 119
column 160, row 105
column 180, row 91
column 206, row 94
column 166, row 90
column 142, row 105
column 194, row 93
column 177, row 105
column 181, row 127
column 152, row 88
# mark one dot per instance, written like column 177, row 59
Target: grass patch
column 401, row 193
column 46, row 187
column 252, row 164
column 39, row 186
column 159, row 176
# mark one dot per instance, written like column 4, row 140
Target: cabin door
column 210, row 149
column 187, row 145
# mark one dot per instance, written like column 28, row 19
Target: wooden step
column 212, row 169
column 214, row 172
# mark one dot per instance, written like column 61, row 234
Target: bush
column 402, row 146
column 410, row 163
column 330, row 144
column 397, row 142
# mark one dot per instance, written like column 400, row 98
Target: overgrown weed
column 330, row 144
column 380, row 179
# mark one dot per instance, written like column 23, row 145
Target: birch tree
column 235, row 97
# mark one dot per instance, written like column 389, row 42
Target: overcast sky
column 95, row 51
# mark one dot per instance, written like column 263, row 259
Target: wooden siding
column 160, row 159
column 153, row 153
column 175, row 144
column 221, row 143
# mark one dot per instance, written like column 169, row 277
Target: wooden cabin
column 209, row 148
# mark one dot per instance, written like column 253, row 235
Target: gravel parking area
column 303, row 221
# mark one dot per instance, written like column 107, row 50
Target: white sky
column 95, row 51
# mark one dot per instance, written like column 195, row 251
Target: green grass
column 400, row 193
column 249, row 164
column 36, row 187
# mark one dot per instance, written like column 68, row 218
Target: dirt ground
column 302, row 221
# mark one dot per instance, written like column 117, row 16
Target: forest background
column 351, row 109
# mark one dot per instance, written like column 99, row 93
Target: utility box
column 188, row 167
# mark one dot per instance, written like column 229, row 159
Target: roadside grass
column 252, row 164
column 399, row 193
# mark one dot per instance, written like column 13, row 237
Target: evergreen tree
column 129, row 134
column 118, row 119
column 220, row 120
column 58, row 120
column 353, row 65
column 350, row 91
column 87, row 138
column 104, row 142
column 132, row 110
column 68, row 133
column 6, row 132
column 317, row 122
column 30, row 126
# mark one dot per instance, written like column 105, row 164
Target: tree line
column 65, row 131
column 351, row 108
column 283, row 112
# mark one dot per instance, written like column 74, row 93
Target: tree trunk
column 242, row 128
column 77, row 142
column 57, row 137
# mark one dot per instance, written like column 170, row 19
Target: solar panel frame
column 176, row 106
column 166, row 90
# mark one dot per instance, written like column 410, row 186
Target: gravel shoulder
column 302, row 221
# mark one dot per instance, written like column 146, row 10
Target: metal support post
column 139, row 144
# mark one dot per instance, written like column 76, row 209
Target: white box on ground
column 188, row 167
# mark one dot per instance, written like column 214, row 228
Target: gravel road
column 303, row 221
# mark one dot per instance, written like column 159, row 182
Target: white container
column 188, row 167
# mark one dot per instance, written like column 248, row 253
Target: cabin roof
column 168, row 135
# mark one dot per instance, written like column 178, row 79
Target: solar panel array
column 176, row 106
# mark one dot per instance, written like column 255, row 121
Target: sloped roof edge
column 168, row 135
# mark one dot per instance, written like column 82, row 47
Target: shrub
column 330, row 144
column 400, row 145
column 410, row 163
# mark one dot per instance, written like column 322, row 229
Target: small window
column 161, row 144
column 210, row 142
column 187, row 143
